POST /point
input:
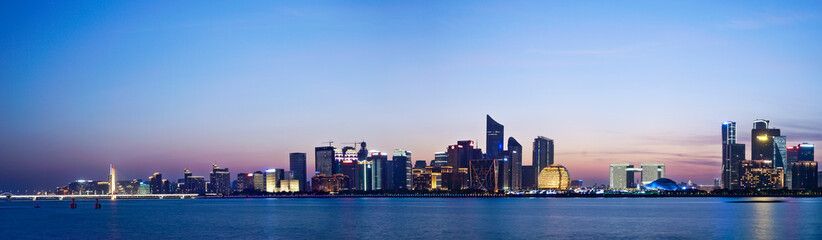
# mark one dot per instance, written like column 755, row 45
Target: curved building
column 554, row 176
column 663, row 184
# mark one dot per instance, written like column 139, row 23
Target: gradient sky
column 170, row 85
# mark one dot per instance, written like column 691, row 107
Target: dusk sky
column 159, row 87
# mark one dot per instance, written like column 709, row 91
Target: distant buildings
column 401, row 169
column 220, row 180
column 732, row 154
column 420, row 164
column 156, row 183
column 554, row 177
column 440, row 159
column 622, row 174
column 245, row 181
column 760, row 174
column 324, row 160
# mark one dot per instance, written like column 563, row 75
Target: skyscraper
column 297, row 164
column 258, row 181
column 346, row 160
column 493, row 137
column 401, row 164
column 762, row 141
column 729, row 167
column 458, row 158
column 806, row 152
column 155, row 183
column 324, row 160
column 543, row 155
column 365, row 173
column 381, row 170
column 515, row 153
column 220, row 180
column 245, row 181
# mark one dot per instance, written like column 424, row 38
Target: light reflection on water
column 420, row 218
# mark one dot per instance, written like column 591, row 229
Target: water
column 415, row 218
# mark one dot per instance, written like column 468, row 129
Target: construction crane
column 329, row 143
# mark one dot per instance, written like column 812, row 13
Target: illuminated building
column 245, row 181
column 576, row 184
column 620, row 177
column 651, row 172
column 760, row 174
column 258, row 180
column 432, row 178
column 762, row 141
column 483, row 174
column 297, row 164
column 804, row 174
column 272, row 179
column 529, row 177
column 440, row 159
column 326, row 183
column 88, row 187
column 662, row 184
column 112, row 181
column 324, row 160
column 196, row 184
column 494, row 137
column 143, row 189
column 401, row 169
column 156, row 183
column 422, row 180
column 554, row 177
column 732, row 154
column 365, row 175
column 515, row 159
column 380, row 169
column 346, row 159
column 504, row 171
column 220, row 180
column 543, row 154
column 806, row 152
column 458, row 158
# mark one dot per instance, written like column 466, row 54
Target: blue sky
column 154, row 86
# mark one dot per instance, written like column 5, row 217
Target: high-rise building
column 155, row 183
column 365, row 175
column 245, row 181
column 762, row 140
column 297, row 164
column 732, row 154
column 651, row 172
column 324, row 160
column 504, row 165
column 515, row 153
column 272, row 179
column 529, row 179
column 483, row 174
column 420, row 164
column 760, row 174
column 543, row 154
column 220, row 180
column 806, row 152
column 493, row 137
column 346, row 159
column 458, row 158
column 363, row 153
column 381, row 170
column 440, row 159
column 258, row 180
column 804, row 174
column 780, row 155
column 620, row 176
column 401, row 164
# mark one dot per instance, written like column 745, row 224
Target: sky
column 162, row 86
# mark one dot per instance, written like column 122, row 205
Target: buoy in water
column 73, row 205
column 97, row 204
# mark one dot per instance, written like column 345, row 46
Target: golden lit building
column 759, row 174
column 554, row 177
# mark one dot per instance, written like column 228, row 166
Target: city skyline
column 162, row 89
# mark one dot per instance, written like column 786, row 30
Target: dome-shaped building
column 662, row 184
column 554, row 177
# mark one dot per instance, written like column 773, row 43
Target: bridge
column 99, row 196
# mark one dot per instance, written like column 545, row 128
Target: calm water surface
column 415, row 218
